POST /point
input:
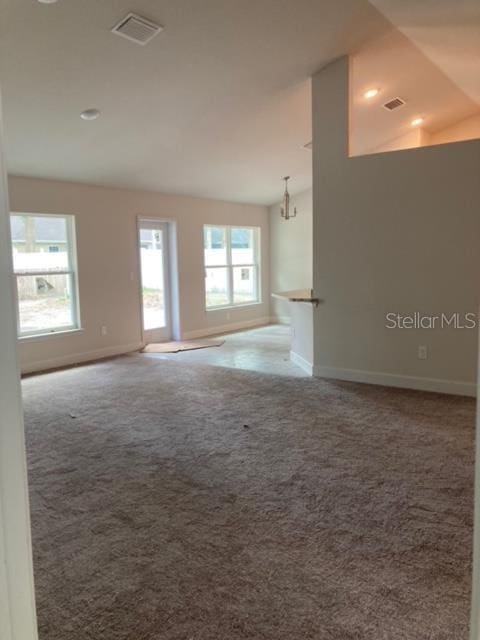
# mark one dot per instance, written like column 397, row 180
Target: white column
column 17, row 600
column 475, row 612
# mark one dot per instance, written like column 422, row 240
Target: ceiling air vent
column 393, row 104
column 137, row 29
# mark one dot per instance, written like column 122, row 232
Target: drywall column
column 395, row 232
column 17, row 604
column 475, row 610
column 330, row 118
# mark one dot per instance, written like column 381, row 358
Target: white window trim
column 71, row 272
column 38, row 337
column 230, row 266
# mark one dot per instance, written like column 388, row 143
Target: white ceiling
column 217, row 105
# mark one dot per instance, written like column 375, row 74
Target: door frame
column 17, row 594
column 163, row 334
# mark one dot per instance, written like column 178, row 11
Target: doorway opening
column 155, row 240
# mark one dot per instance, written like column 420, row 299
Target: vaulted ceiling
column 217, row 105
column 447, row 32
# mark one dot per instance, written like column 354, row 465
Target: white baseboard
column 77, row 358
column 454, row 387
column 280, row 320
column 301, row 362
column 226, row 328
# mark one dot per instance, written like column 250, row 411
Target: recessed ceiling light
column 47, row 1
column 90, row 114
column 371, row 93
column 416, row 122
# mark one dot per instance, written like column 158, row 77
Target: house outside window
column 232, row 266
column 44, row 265
column 150, row 239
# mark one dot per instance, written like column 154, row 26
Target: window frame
column 71, row 272
column 229, row 266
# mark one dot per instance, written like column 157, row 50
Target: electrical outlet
column 103, row 330
column 422, row 352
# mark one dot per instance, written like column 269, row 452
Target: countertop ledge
column 298, row 295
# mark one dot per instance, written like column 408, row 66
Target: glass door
column 154, row 265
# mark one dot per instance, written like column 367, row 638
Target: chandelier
column 285, row 209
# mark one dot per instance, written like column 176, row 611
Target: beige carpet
column 181, row 345
column 191, row 502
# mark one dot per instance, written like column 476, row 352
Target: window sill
column 232, row 307
column 38, row 337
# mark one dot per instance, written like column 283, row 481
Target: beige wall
column 290, row 251
column 108, row 264
column 410, row 140
column 467, row 129
column 395, row 232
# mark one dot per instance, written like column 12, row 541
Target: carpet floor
column 178, row 502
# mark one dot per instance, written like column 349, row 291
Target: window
column 44, row 264
column 232, row 266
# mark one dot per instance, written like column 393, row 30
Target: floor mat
column 181, row 345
